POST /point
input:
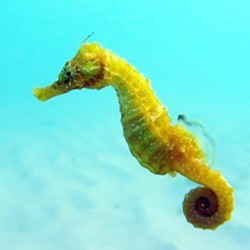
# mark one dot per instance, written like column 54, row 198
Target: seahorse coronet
column 157, row 144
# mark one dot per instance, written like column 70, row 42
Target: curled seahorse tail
column 210, row 206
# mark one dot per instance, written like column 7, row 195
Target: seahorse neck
column 134, row 91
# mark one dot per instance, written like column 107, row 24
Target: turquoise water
column 67, row 178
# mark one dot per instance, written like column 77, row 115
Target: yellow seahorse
column 156, row 143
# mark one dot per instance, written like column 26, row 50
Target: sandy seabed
column 69, row 189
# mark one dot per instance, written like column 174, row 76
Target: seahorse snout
column 39, row 93
column 43, row 94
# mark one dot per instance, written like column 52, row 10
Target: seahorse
column 159, row 145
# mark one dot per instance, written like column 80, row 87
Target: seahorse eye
column 66, row 75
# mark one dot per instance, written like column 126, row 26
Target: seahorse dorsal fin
column 205, row 140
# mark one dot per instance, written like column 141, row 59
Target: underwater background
column 67, row 178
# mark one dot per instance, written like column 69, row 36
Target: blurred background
column 67, row 178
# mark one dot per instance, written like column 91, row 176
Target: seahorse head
column 85, row 70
